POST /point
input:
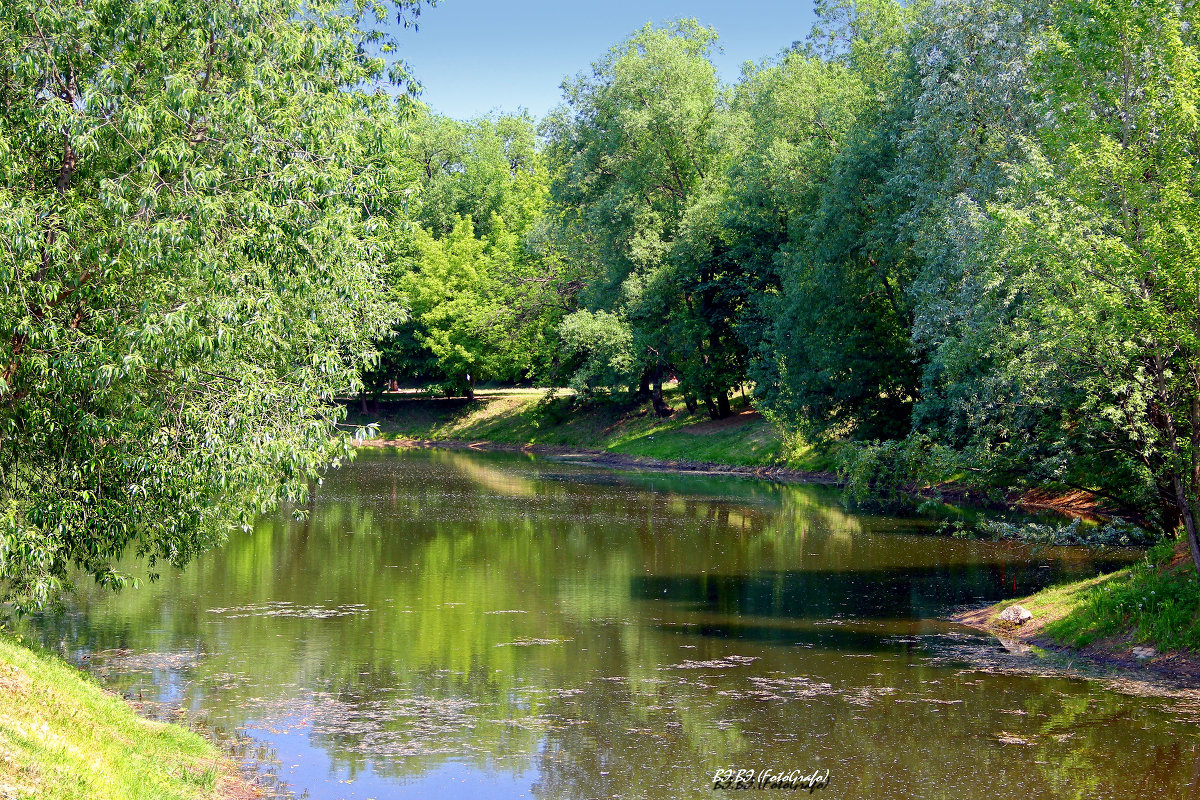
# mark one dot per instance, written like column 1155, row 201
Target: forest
column 957, row 236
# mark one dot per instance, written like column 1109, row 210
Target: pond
column 456, row 625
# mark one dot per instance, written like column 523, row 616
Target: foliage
column 190, row 270
column 602, row 345
column 892, row 474
column 1000, row 268
column 1115, row 533
column 633, row 150
column 483, row 293
column 1101, row 227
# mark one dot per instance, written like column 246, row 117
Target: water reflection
column 465, row 625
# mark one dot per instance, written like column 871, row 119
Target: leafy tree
column 478, row 289
column 600, row 347
column 478, row 170
column 1101, row 229
column 632, row 149
column 190, row 270
column 831, row 338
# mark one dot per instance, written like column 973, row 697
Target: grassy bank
column 528, row 418
column 62, row 736
column 1153, row 604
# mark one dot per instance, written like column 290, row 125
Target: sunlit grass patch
column 746, row 439
column 62, row 736
column 1152, row 602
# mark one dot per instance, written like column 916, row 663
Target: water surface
column 450, row 624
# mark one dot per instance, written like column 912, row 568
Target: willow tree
column 189, row 268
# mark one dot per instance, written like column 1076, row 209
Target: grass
column 1155, row 602
column 745, row 439
column 62, row 736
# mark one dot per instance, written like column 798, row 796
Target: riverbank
column 627, row 436
column 62, row 736
column 615, row 460
column 744, row 443
column 1146, row 616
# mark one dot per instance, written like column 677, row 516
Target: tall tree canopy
column 1101, row 229
column 467, row 260
column 191, row 268
column 633, row 149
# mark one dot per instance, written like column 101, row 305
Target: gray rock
column 1015, row 615
column 1144, row 652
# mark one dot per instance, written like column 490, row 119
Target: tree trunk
column 1186, row 510
column 470, row 393
column 711, row 405
column 656, row 395
column 644, row 384
column 723, row 408
column 362, row 401
column 1189, row 521
column 690, row 402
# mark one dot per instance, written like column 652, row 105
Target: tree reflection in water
column 573, row 633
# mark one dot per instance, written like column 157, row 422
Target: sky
column 475, row 57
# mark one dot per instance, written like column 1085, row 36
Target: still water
column 461, row 625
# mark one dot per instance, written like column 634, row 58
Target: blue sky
column 479, row 56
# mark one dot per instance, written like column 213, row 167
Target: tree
column 632, row 148
column 469, row 260
column 832, row 338
column 1101, row 227
column 190, row 269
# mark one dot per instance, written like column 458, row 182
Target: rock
column 1143, row 653
column 1015, row 615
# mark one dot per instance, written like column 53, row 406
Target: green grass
column 1149, row 603
column 62, row 736
column 746, row 439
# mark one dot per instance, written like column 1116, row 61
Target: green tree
column 832, row 353
column 189, row 264
column 1100, row 229
column 632, row 149
column 470, row 260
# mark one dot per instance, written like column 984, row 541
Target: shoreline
column 70, row 737
column 744, row 444
column 1115, row 652
column 611, row 460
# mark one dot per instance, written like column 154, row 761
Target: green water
column 449, row 624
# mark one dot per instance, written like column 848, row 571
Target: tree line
column 958, row 236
